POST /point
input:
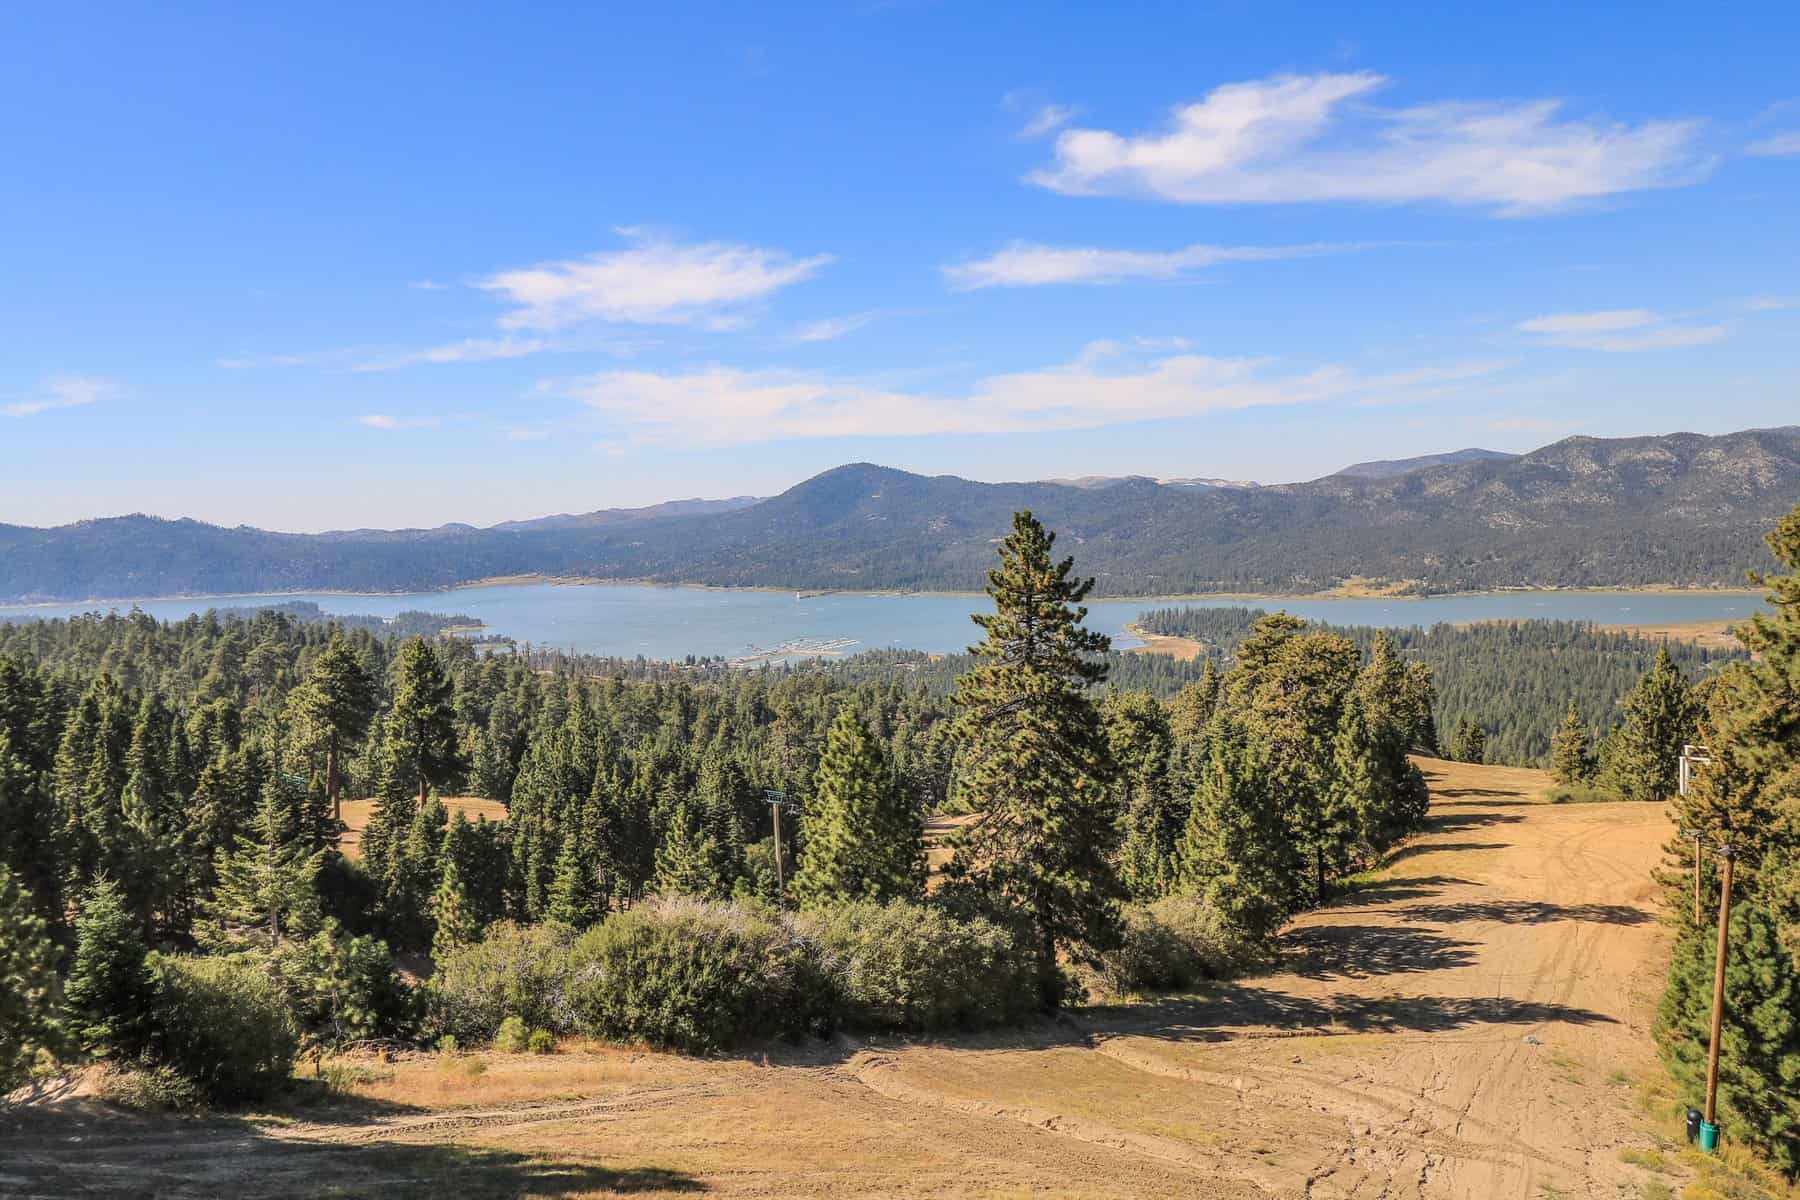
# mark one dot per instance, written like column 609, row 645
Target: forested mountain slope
column 1680, row 509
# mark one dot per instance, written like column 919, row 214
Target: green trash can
column 1709, row 1136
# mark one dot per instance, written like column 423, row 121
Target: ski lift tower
column 1692, row 756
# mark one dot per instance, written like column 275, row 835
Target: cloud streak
column 1033, row 264
column 1620, row 331
column 64, row 391
column 391, row 424
column 1781, row 145
column 1109, row 383
column 653, row 282
column 1311, row 138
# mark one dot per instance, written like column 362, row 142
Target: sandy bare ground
column 1714, row 635
column 1460, row 1028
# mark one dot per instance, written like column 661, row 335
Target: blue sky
column 324, row 268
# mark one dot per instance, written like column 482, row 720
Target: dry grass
column 1714, row 635
column 358, row 812
column 1184, row 649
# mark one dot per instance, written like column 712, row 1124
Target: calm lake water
column 671, row 622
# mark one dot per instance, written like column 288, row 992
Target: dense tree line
column 170, row 799
column 1512, row 680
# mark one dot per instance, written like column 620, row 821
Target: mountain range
column 1680, row 509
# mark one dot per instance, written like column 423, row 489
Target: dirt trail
column 1455, row 1030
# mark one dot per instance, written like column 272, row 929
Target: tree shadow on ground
column 58, row 1150
column 1457, row 822
column 1392, row 891
column 1418, row 848
column 1241, row 1011
column 1525, row 912
column 1502, row 797
column 1362, row 951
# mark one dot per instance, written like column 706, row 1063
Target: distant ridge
column 1388, row 468
column 1680, row 509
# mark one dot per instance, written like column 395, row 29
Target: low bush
column 1581, row 793
column 515, row 971
column 222, row 1023
column 1170, row 945
column 147, row 1089
column 914, row 967
column 695, row 976
column 541, row 1041
column 511, row 1037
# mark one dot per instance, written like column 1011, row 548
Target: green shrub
column 344, row 988
column 1581, row 793
column 511, row 1037
column 447, row 1044
column 541, row 1041
column 1172, row 944
column 148, row 1089
column 223, row 1023
column 514, row 971
column 915, row 967
column 696, row 976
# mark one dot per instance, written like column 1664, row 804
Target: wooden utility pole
column 1718, row 1013
column 776, row 799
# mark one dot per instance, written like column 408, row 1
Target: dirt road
column 1461, row 1028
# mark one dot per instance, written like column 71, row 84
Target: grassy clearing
column 357, row 814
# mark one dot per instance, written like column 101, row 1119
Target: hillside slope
column 1680, row 509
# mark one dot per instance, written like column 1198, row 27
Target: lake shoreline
column 1654, row 589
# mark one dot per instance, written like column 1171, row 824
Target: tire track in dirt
column 878, row 1072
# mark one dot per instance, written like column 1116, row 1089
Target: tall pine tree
column 1035, row 767
column 1641, row 759
column 334, row 706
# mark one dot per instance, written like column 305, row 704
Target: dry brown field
column 1466, row 1024
column 356, row 814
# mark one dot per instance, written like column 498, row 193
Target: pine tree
column 1759, row 1058
column 1035, row 766
column 1641, row 759
column 1569, row 763
column 109, row 991
column 1234, row 851
column 862, row 839
column 1469, row 742
column 1140, row 738
column 334, row 705
column 418, row 750
column 29, row 1019
column 687, row 861
column 451, row 911
column 580, row 892
column 28, row 828
column 267, row 890
column 421, row 748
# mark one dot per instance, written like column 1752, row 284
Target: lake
column 629, row 620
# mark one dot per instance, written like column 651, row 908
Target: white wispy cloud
column 1032, row 264
column 467, row 350
column 830, row 329
column 1780, row 145
column 427, row 285
column 1109, row 383
column 1299, row 138
column 1620, row 331
column 1047, row 118
column 395, row 424
column 63, row 391
column 1770, row 303
column 654, row 281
